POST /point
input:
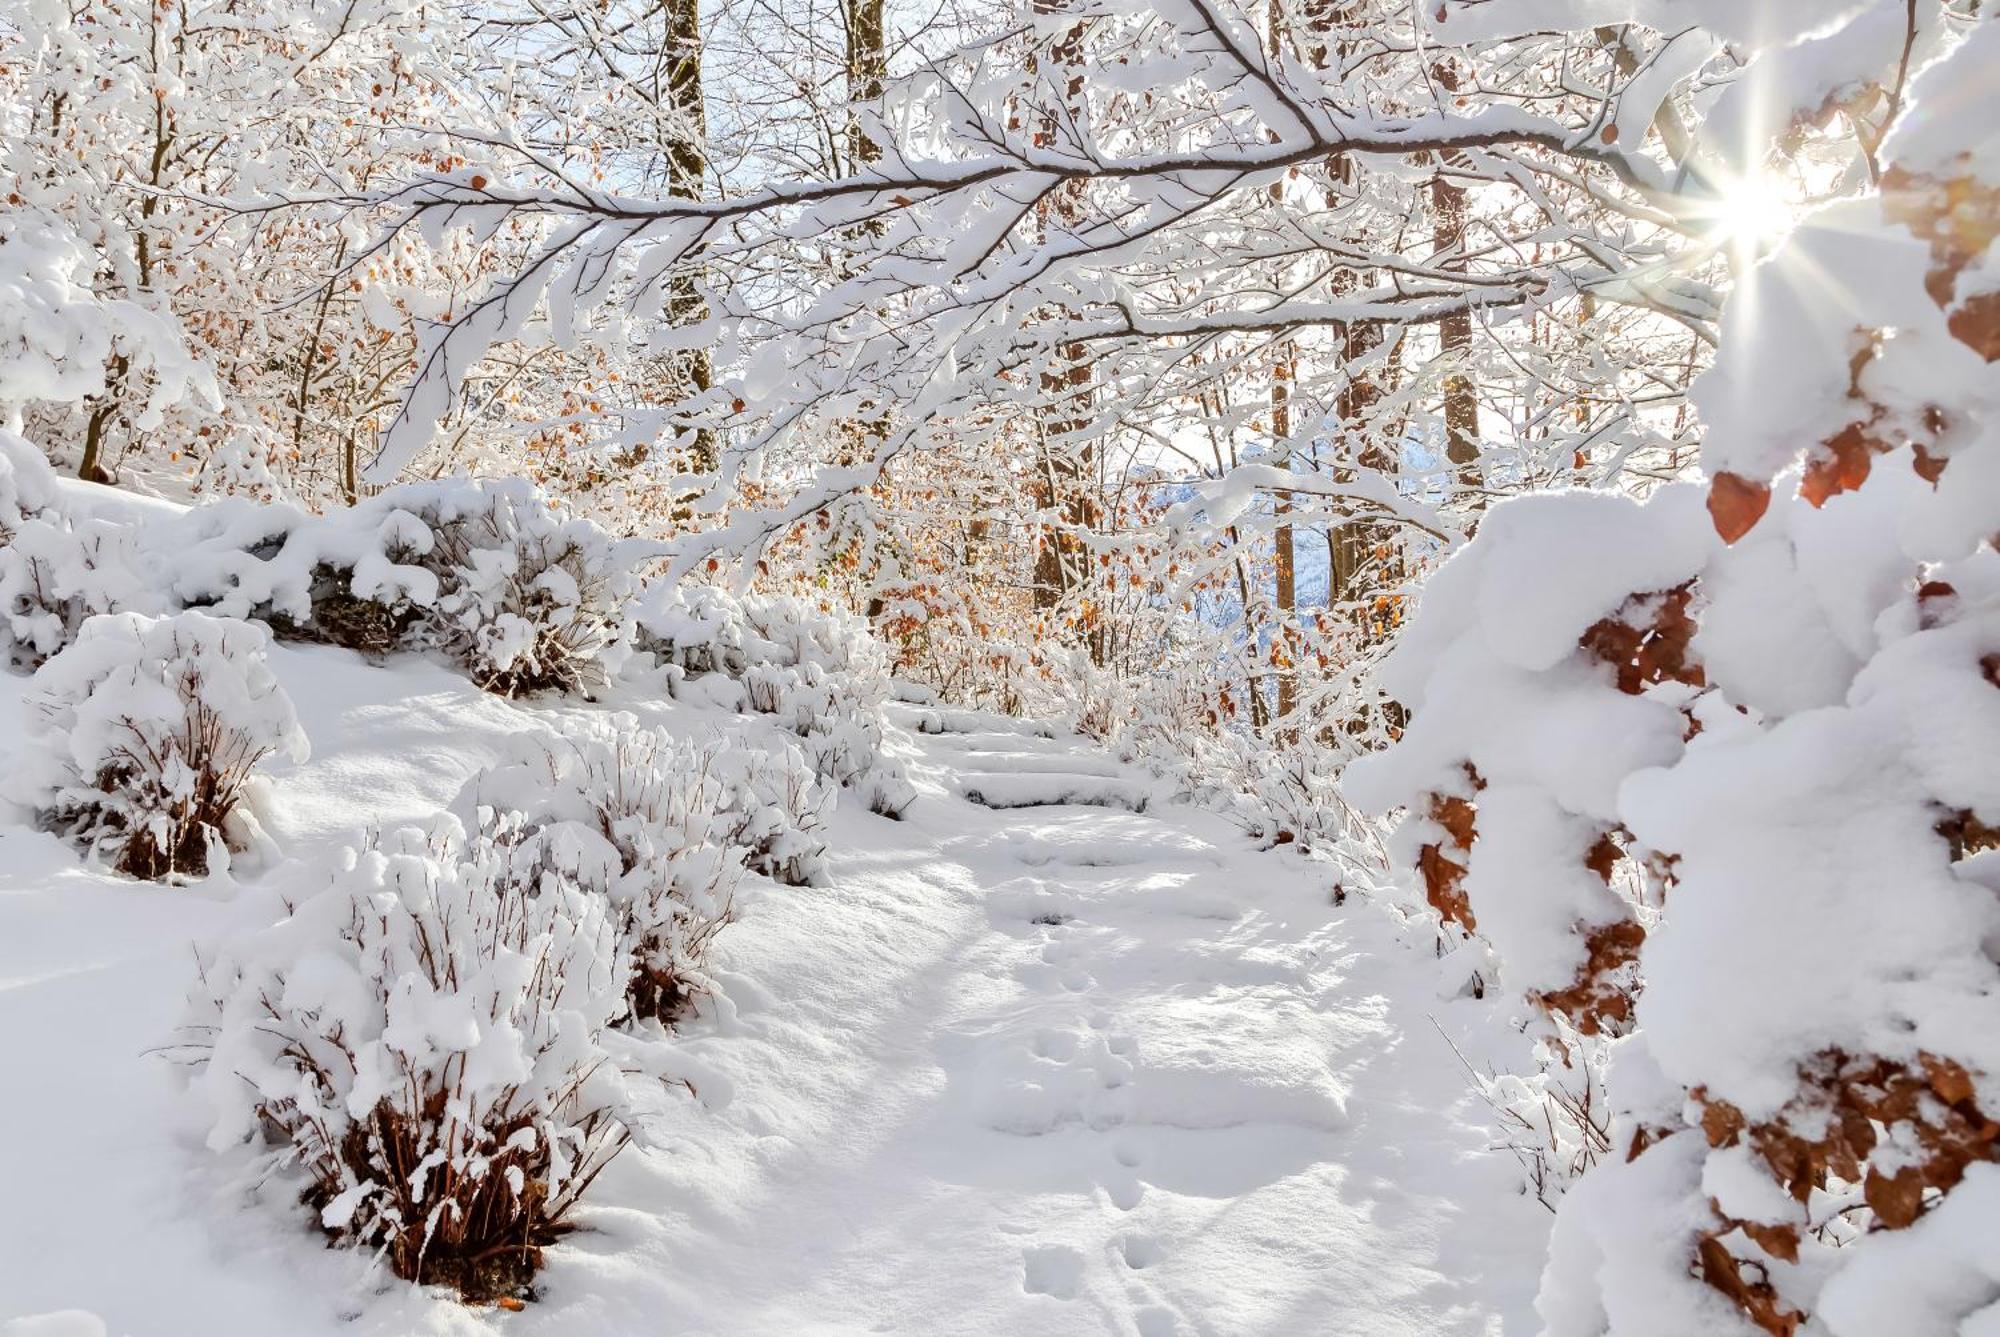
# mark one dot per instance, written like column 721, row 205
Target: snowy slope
column 1032, row 1069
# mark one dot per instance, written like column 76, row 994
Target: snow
column 1581, row 554
column 1826, row 63
column 1618, row 1253
column 1055, row 1069
column 1022, row 788
column 1937, row 1279
column 1945, row 99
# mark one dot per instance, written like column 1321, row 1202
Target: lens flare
column 1751, row 211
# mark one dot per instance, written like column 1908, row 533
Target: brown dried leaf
column 1778, row 1241
column 1897, row 1199
column 1976, row 324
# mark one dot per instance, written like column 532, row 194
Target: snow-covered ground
column 1022, row 1068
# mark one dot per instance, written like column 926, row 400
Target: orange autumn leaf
column 1736, row 504
column 1841, row 465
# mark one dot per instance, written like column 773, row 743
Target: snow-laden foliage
column 60, row 340
column 487, row 572
column 424, row 1031
column 146, row 737
column 698, row 629
column 839, row 719
column 1714, row 776
column 821, row 674
column 1279, row 785
column 838, row 716
column 27, row 485
column 639, row 818
column 789, row 630
column 528, row 601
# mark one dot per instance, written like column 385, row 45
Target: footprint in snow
column 1125, row 1192
column 1141, row 1251
column 1057, row 952
column 1052, row 1269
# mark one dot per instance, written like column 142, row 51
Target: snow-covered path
column 1027, row 1068
column 1076, row 1069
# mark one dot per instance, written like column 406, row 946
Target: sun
column 1749, row 212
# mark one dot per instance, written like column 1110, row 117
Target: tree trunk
column 687, row 165
column 1283, row 648
column 1064, row 487
column 1461, row 399
column 867, row 68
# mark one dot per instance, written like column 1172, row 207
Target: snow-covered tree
column 1711, row 775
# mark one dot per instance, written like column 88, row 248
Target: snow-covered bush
column 790, row 630
column 696, row 628
column 838, row 716
column 1556, row 1121
column 146, row 738
column 55, row 571
column 848, row 752
column 530, row 602
column 776, row 812
column 704, row 629
column 54, row 574
column 768, row 687
column 484, row 571
column 426, row 1035
column 1714, row 774
column 822, row 674
column 640, row 818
